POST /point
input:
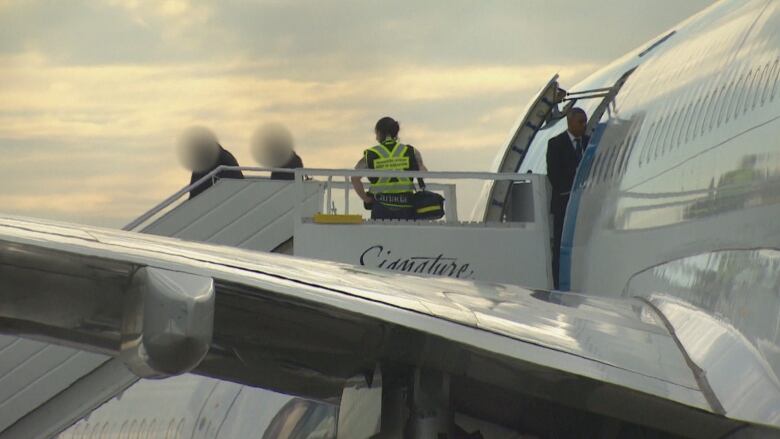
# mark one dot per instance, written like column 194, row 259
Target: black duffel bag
column 427, row 205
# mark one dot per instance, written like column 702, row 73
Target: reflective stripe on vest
column 390, row 160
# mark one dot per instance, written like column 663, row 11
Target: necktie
column 578, row 148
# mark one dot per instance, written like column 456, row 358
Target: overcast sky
column 93, row 94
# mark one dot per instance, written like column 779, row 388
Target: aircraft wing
column 305, row 327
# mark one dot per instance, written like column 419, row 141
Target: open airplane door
column 495, row 193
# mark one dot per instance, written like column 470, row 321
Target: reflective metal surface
column 741, row 356
column 681, row 196
column 306, row 326
column 167, row 322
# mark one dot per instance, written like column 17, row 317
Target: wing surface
column 304, row 327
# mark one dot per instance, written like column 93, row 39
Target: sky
column 94, row 93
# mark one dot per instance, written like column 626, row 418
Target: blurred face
column 198, row 149
column 577, row 122
column 378, row 136
column 272, row 145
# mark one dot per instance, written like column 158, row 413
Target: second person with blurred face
column 272, row 146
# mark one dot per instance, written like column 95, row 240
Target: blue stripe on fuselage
column 570, row 221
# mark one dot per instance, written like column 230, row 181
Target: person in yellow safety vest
column 389, row 197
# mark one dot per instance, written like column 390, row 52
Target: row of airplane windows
column 135, row 429
column 715, row 107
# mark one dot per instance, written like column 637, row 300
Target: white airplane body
column 670, row 247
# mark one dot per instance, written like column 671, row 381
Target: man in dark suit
column 200, row 152
column 564, row 153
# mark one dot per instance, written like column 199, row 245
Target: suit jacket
column 224, row 158
column 561, row 166
column 294, row 162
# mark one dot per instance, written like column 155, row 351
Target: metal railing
column 211, row 176
column 303, row 174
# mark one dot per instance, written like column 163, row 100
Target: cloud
column 72, row 102
column 175, row 16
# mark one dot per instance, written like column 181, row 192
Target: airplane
column 668, row 324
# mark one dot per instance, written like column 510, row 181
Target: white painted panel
column 517, row 254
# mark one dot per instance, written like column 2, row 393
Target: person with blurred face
column 272, row 147
column 201, row 153
column 564, row 153
column 389, row 197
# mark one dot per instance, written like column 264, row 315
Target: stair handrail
column 300, row 173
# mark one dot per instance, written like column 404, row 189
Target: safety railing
column 339, row 179
column 448, row 189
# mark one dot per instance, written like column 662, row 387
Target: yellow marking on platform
column 321, row 218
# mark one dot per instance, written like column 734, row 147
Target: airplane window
column 132, row 432
column 752, row 91
column 151, row 431
column 774, row 84
column 701, row 116
column 733, row 110
column 302, row 419
column 674, row 133
column 663, row 146
column 180, row 429
column 727, row 97
column 630, row 151
column 623, row 162
column 630, row 143
column 772, row 74
column 760, row 85
column 690, row 133
column 716, row 102
column 731, row 94
column 705, row 117
column 598, row 164
column 742, row 86
column 105, row 427
column 744, row 92
column 171, row 433
column 648, row 140
column 616, row 150
column 603, row 164
column 89, row 430
column 680, row 127
column 609, row 156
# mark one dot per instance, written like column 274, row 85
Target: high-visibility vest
column 391, row 156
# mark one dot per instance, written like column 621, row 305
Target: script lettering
column 439, row 265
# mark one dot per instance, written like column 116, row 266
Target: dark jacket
column 294, row 162
column 225, row 159
column 562, row 162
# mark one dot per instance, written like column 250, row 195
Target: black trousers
column 556, row 249
column 559, row 214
